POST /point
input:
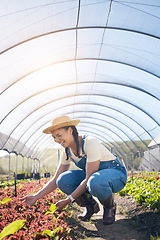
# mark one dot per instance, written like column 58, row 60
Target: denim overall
column 110, row 177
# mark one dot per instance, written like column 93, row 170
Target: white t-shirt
column 93, row 149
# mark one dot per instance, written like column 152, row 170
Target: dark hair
column 75, row 135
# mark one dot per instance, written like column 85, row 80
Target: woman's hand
column 30, row 200
column 62, row 203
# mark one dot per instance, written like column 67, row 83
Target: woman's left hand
column 62, row 203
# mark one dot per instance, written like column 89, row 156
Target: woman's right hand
column 30, row 200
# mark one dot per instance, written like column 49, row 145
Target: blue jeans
column 110, row 178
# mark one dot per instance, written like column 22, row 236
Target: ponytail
column 75, row 135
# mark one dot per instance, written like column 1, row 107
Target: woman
column 100, row 173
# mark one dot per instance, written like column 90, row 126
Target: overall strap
column 82, row 144
column 69, row 152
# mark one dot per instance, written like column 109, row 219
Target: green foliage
column 53, row 208
column 60, row 194
column 146, row 191
column 52, row 234
column 12, row 228
column 154, row 238
column 20, row 186
column 5, row 200
column 4, row 184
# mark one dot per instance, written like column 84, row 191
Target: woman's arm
column 48, row 188
column 91, row 167
column 51, row 185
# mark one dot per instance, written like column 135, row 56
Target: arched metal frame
column 121, row 113
column 99, row 82
column 105, row 106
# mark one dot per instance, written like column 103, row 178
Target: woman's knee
column 93, row 184
column 62, row 180
column 98, row 188
column 68, row 181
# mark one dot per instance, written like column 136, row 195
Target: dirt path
column 132, row 223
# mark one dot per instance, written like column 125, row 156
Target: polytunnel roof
column 98, row 61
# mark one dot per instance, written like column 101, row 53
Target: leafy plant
column 154, row 238
column 20, row 186
column 4, row 184
column 12, row 228
column 52, row 234
column 5, row 200
column 53, row 208
column 145, row 190
column 36, row 220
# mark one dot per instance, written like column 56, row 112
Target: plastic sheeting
column 98, row 61
column 151, row 158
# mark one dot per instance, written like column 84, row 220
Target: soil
column 133, row 222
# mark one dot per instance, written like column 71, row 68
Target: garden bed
column 37, row 224
column 137, row 213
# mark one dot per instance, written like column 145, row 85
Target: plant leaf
column 47, row 232
column 20, row 187
column 5, row 200
column 53, row 208
column 12, row 228
column 57, row 229
column 47, row 212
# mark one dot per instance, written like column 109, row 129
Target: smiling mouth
column 62, row 143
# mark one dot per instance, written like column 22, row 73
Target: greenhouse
column 93, row 60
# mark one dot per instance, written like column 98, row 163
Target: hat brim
column 50, row 129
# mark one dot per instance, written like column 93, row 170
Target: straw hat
column 59, row 122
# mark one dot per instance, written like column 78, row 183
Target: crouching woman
column 100, row 173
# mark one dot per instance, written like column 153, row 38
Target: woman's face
column 63, row 136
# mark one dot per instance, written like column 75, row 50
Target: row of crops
column 42, row 221
column 145, row 189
